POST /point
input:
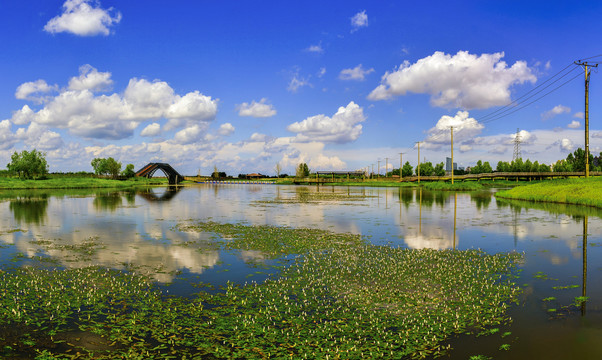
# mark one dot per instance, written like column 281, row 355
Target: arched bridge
column 149, row 170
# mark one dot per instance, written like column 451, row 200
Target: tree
column 215, row 174
column 503, row 166
column 439, row 169
column 129, row 171
column 99, row 166
column 278, row 169
column 486, row 168
column 28, row 164
column 302, row 170
column 426, row 169
column 113, row 167
column 407, row 169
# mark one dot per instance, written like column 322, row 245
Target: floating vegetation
column 342, row 298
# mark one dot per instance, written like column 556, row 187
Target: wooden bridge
column 148, row 171
column 513, row 176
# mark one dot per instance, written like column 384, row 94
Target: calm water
column 137, row 228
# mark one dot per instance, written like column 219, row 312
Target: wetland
column 277, row 271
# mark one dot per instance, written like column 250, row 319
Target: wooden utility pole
column 452, row 161
column 372, row 173
column 378, row 170
column 418, row 167
column 587, row 73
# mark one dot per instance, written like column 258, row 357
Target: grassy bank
column 7, row 183
column 344, row 298
column 570, row 191
column 456, row 186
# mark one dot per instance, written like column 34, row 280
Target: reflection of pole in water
column 584, row 287
column 455, row 202
column 420, row 213
column 515, row 225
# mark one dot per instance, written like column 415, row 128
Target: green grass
column 76, row 183
column 570, row 191
column 343, row 298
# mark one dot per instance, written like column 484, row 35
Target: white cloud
column 297, row 82
column 357, row 73
column 83, row 18
column 188, row 135
column 342, row 127
column 574, row 124
column 40, row 137
column 256, row 109
column 315, row 48
column 115, row 116
column 566, row 145
column 23, row 116
column 579, row 115
column 464, row 128
column 25, row 90
column 465, row 148
column 90, row 79
column 7, row 138
column 225, row 129
column 462, row 80
column 556, row 110
column 359, row 20
column 151, row 130
column 322, row 72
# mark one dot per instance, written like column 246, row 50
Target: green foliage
column 129, row 171
column 439, row 169
column 574, row 162
column 28, row 164
column 426, row 169
column 107, row 166
column 481, row 168
column 457, row 186
column 407, row 169
column 302, row 170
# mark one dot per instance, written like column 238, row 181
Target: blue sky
column 245, row 85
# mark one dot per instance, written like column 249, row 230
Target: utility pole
column 452, row 167
column 418, row 167
column 587, row 73
column 372, row 173
column 378, row 171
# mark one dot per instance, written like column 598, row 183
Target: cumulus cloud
column 357, row 73
column 574, row 124
column 566, row 145
column 151, row 130
column 342, row 127
column 115, row 116
column 7, row 138
column 556, row 110
column 26, row 90
column 359, row 20
column 256, row 109
column 91, row 79
column 225, row 129
column 462, row 80
column 579, row 115
column 464, row 126
column 40, row 137
column 190, row 134
column 83, row 18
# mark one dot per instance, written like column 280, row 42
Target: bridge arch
column 149, row 170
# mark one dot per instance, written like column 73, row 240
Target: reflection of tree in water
column 107, row 201
column 406, row 196
column 169, row 193
column 576, row 212
column 302, row 193
column 433, row 197
column 30, row 210
column 481, row 199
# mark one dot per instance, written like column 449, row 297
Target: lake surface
column 562, row 245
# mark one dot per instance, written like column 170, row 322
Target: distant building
column 448, row 165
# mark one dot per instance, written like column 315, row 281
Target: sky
column 242, row 86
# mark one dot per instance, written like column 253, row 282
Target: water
column 138, row 229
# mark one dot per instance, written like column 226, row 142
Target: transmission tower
column 517, row 154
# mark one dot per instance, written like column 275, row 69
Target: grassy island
column 61, row 182
column 570, row 191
